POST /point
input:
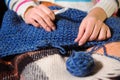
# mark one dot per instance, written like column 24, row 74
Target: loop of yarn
column 80, row 64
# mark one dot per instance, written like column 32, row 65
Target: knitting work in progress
column 16, row 37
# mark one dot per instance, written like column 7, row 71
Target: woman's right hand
column 40, row 16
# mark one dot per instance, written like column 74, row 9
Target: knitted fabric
column 17, row 37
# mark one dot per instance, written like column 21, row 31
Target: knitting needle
column 61, row 11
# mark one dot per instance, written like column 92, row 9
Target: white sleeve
column 109, row 6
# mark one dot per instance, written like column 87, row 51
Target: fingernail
column 48, row 29
column 53, row 28
column 75, row 40
column 80, row 44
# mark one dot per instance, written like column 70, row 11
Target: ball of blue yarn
column 80, row 64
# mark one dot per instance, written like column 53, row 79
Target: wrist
column 27, row 11
column 98, row 13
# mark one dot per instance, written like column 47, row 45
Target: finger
column 88, row 31
column 87, row 34
column 103, row 33
column 85, row 37
column 46, row 19
column 37, row 17
column 39, row 20
column 49, row 22
column 96, row 31
column 49, row 12
column 81, row 31
column 108, row 33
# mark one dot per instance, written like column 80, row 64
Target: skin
column 112, row 49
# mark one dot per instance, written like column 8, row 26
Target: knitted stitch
column 17, row 37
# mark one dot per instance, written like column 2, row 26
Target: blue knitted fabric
column 17, row 37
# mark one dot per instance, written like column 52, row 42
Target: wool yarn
column 80, row 64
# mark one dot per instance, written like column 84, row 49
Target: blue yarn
column 80, row 64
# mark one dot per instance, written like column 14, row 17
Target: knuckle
column 88, row 33
column 38, row 18
column 92, row 19
column 49, row 13
column 45, row 16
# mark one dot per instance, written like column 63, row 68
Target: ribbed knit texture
column 17, row 37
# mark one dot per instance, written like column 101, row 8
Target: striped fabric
column 19, row 6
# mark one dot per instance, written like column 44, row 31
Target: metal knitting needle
column 61, row 10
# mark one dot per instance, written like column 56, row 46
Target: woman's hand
column 93, row 28
column 40, row 16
